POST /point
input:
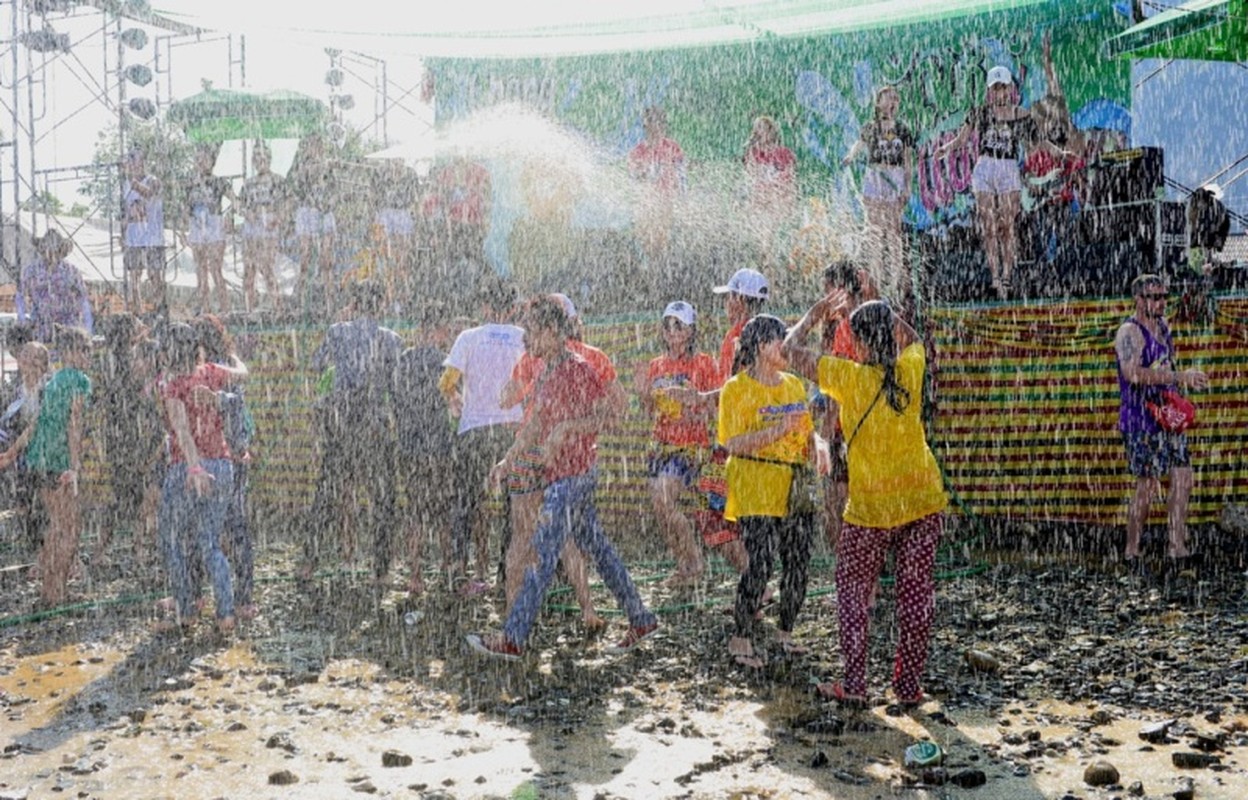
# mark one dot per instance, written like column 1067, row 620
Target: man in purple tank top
column 1146, row 367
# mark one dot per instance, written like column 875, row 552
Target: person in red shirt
column 658, row 164
column 570, row 406
column 196, row 493
column 771, row 170
column 524, row 480
column 681, row 440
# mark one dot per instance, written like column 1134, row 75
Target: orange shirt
column 673, row 423
column 728, row 350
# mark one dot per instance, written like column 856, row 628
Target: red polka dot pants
column 859, row 559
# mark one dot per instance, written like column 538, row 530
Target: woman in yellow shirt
column 765, row 425
column 896, row 494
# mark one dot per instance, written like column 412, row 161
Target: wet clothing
column 1158, row 353
column 893, row 476
column 763, row 536
column 485, row 357
column 568, row 510
column 357, row 434
column 896, row 496
column 190, row 528
column 755, row 487
column 860, row 555
column 1003, row 138
column 145, row 216
column 53, row 295
column 887, row 148
column 205, row 421
column 728, row 351
column 204, row 195
column 260, row 200
column 565, row 392
column 421, row 421
column 48, row 449
column 660, row 164
column 1152, row 454
column 672, row 425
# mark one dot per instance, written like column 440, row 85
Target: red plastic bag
column 1175, row 413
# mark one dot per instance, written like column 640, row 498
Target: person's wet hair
column 1146, row 281
column 213, row 338
column 368, row 298
column 545, row 312
column 179, row 348
column 872, row 325
column 71, row 339
column 843, row 274
column 17, row 336
column 498, row 294
column 757, row 332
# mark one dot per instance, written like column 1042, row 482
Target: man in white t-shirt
column 143, row 248
column 479, row 365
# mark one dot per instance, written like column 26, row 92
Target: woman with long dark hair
column 765, row 425
column 896, row 495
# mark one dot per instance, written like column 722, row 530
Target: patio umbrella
column 1203, row 30
column 217, row 115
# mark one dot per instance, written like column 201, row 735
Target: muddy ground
column 331, row 693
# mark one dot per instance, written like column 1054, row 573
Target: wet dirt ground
column 330, row 693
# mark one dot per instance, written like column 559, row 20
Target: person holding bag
column 766, row 427
column 896, row 494
column 1147, row 371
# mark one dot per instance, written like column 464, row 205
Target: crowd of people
column 746, row 461
column 768, row 442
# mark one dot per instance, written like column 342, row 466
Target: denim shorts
column 676, row 463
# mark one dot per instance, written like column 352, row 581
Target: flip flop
column 836, row 693
column 749, row 662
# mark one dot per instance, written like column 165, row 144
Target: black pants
column 357, row 456
column 762, row 537
column 476, row 452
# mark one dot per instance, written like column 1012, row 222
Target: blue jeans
column 568, row 510
column 190, row 527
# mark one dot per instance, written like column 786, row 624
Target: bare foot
column 226, row 625
column 742, row 652
column 248, row 612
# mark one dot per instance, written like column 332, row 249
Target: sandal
column 836, row 692
column 748, row 659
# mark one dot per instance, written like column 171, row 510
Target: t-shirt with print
column 48, row 449
column 567, row 392
column 887, row 148
column 485, row 357
column 673, row 423
column 1003, row 138
column 204, row 420
column 893, row 476
column 757, row 488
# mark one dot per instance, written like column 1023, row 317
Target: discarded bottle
column 923, row 754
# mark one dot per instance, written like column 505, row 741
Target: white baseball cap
column 681, row 311
column 747, row 282
column 1000, row 74
column 566, row 302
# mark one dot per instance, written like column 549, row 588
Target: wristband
column 197, row 470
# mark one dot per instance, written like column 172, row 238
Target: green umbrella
column 1203, row 30
column 216, row 115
